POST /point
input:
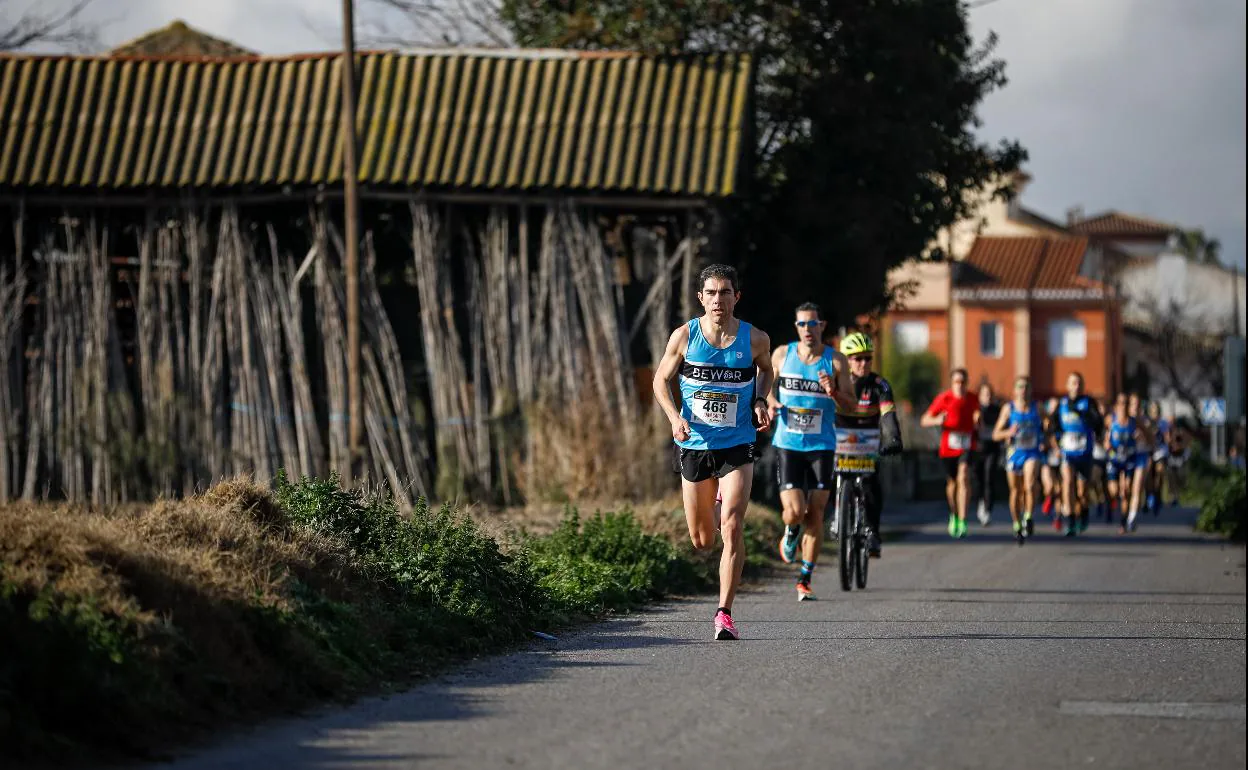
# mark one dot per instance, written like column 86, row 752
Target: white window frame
column 907, row 333
column 1068, row 338
column 998, row 341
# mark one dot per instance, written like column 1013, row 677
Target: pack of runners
column 720, row 384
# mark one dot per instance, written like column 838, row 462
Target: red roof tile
column 1024, row 263
column 1111, row 223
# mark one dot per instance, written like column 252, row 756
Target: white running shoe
column 983, row 514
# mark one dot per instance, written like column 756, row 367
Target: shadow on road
column 346, row 738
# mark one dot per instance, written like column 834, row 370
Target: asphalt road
column 1104, row 651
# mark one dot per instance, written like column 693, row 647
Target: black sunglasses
column 864, row 359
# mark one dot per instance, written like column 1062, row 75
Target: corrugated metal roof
column 500, row 121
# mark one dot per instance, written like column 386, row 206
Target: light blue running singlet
column 807, row 422
column 1026, row 441
column 717, row 391
column 1122, row 439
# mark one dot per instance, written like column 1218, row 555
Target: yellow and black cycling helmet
column 856, row 344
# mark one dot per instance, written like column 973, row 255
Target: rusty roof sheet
column 509, row 120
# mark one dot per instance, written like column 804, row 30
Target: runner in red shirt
column 956, row 413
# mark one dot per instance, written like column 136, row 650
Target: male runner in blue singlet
column 1079, row 426
column 803, row 411
column 724, row 368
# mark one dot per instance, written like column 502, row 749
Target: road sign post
column 1213, row 414
column 1233, row 363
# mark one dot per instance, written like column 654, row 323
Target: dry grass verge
column 125, row 631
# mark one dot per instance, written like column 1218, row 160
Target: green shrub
column 451, row 580
column 608, row 562
column 1225, row 510
column 916, row 377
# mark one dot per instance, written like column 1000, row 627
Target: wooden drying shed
column 171, row 298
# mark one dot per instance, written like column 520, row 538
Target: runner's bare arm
column 760, row 346
column 664, row 373
column 999, row 431
column 933, row 418
column 773, row 393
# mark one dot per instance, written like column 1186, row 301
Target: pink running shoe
column 724, row 629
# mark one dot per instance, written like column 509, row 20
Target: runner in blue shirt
column 1079, row 426
column 1121, row 433
column 1021, row 426
column 803, row 413
column 1161, row 453
column 723, row 365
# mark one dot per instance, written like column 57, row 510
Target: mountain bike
column 857, row 452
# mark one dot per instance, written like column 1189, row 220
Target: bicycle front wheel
column 861, row 557
column 845, row 543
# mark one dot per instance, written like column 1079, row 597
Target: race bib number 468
column 713, row 408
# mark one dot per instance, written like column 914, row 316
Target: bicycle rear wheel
column 845, row 541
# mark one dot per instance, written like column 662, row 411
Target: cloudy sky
column 1130, row 104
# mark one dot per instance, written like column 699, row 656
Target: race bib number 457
column 803, row 420
column 714, row 408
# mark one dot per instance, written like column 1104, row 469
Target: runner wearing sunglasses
column 802, row 408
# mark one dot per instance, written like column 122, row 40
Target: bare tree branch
column 1187, row 352
column 56, row 28
column 436, row 22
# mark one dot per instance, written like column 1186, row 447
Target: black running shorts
column 696, row 465
column 1081, row 466
column 953, row 463
column 807, row 471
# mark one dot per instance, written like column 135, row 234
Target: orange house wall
column 998, row 372
column 1049, row 374
column 1100, row 366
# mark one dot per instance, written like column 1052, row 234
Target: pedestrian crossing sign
column 1213, row 411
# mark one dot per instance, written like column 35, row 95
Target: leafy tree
column 1198, row 247
column 916, row 377
column 865, row 114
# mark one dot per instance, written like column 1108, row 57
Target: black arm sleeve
column 890, row 432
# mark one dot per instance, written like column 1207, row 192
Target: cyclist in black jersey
column 873, row 410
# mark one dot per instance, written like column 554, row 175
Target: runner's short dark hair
column 809, row 307
column 966, row 376
column 725, row 272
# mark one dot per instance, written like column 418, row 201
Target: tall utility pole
column 351, row 197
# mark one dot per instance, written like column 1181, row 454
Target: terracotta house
column 1021, row 295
